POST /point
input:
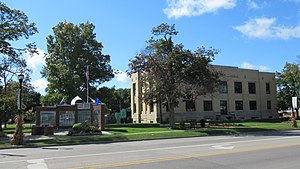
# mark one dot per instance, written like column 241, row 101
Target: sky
column 251, row 34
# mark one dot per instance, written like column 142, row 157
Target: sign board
column 84, row 106
column 19, row 100
column 294, row 102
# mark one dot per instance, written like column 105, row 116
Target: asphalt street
column 261, row 150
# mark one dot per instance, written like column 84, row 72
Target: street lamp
column 18, row 136
column 20, row 77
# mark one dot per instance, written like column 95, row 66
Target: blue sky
column 253, row 34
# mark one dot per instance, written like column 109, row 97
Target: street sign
column 294, row 102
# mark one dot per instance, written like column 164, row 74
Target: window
column 190, row 105
column 269, row 105
column 223, row 87
column 151, row 106
column 134, row 89
column 238, row 87
column 252, row 105
column 207, row 105
column 238, row 105
column 223, row 107
column 251, row 87
column 268, row 88
column 48, row 118
column 66, row 118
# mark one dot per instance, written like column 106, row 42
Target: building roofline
column 235, row 67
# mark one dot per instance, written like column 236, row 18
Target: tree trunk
column 172, row 116
column 5, row 119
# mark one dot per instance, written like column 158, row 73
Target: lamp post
column 20, row 77
column 18, row 136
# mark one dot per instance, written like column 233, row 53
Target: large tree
column 14, row 25
column 70, row 50
column 115, row 99
column 169, row 72
column 288, row 85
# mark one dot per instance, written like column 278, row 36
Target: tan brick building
column 243, row 94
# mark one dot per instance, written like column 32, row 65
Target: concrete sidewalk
column 57, row 134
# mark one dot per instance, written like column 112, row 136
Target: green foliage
column 288, row 85
column 51, row 99
column 30, row 115
column 115, row 99
column 13, row 26
column 168, row 71
column 81, row 128
column 8, row 100
column 70, row 50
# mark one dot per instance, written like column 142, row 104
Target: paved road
column 256, row 150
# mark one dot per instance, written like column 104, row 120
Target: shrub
column 83, row 128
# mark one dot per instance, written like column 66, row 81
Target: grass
column 135, row 128
column 153, row 131
column 11, row 129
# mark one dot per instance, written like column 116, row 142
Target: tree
column 13, row 26
column 115, row 99
column 30, row 98
column 70, row 50
column 168, row 72
column 288, row 85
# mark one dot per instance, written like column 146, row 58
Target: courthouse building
column 242, row 94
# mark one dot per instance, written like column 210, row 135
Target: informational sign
column 294, row 102
column 19, row 100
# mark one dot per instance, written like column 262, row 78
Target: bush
column 83, row 128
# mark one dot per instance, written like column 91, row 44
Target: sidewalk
column 57, row 134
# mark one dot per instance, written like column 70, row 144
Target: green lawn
column 153, row 131
column 11, row 129
column 135, row 128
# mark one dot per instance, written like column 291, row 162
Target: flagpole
column 87, row 83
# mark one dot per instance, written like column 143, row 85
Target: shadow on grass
column 116, row 130
column 75, row 140
column 130, row 125
column 248, row 131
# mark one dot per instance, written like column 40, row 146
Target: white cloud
column 122, row 77
column 180, row 8
column 257, row 28
column 246, row 65
column 36, row 60
column 40, row 84
column 266, row 28
column 254, row 5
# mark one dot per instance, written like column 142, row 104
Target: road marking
column 37, row 164
column 182, row 157
column 157, row 149
column 222, row 147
